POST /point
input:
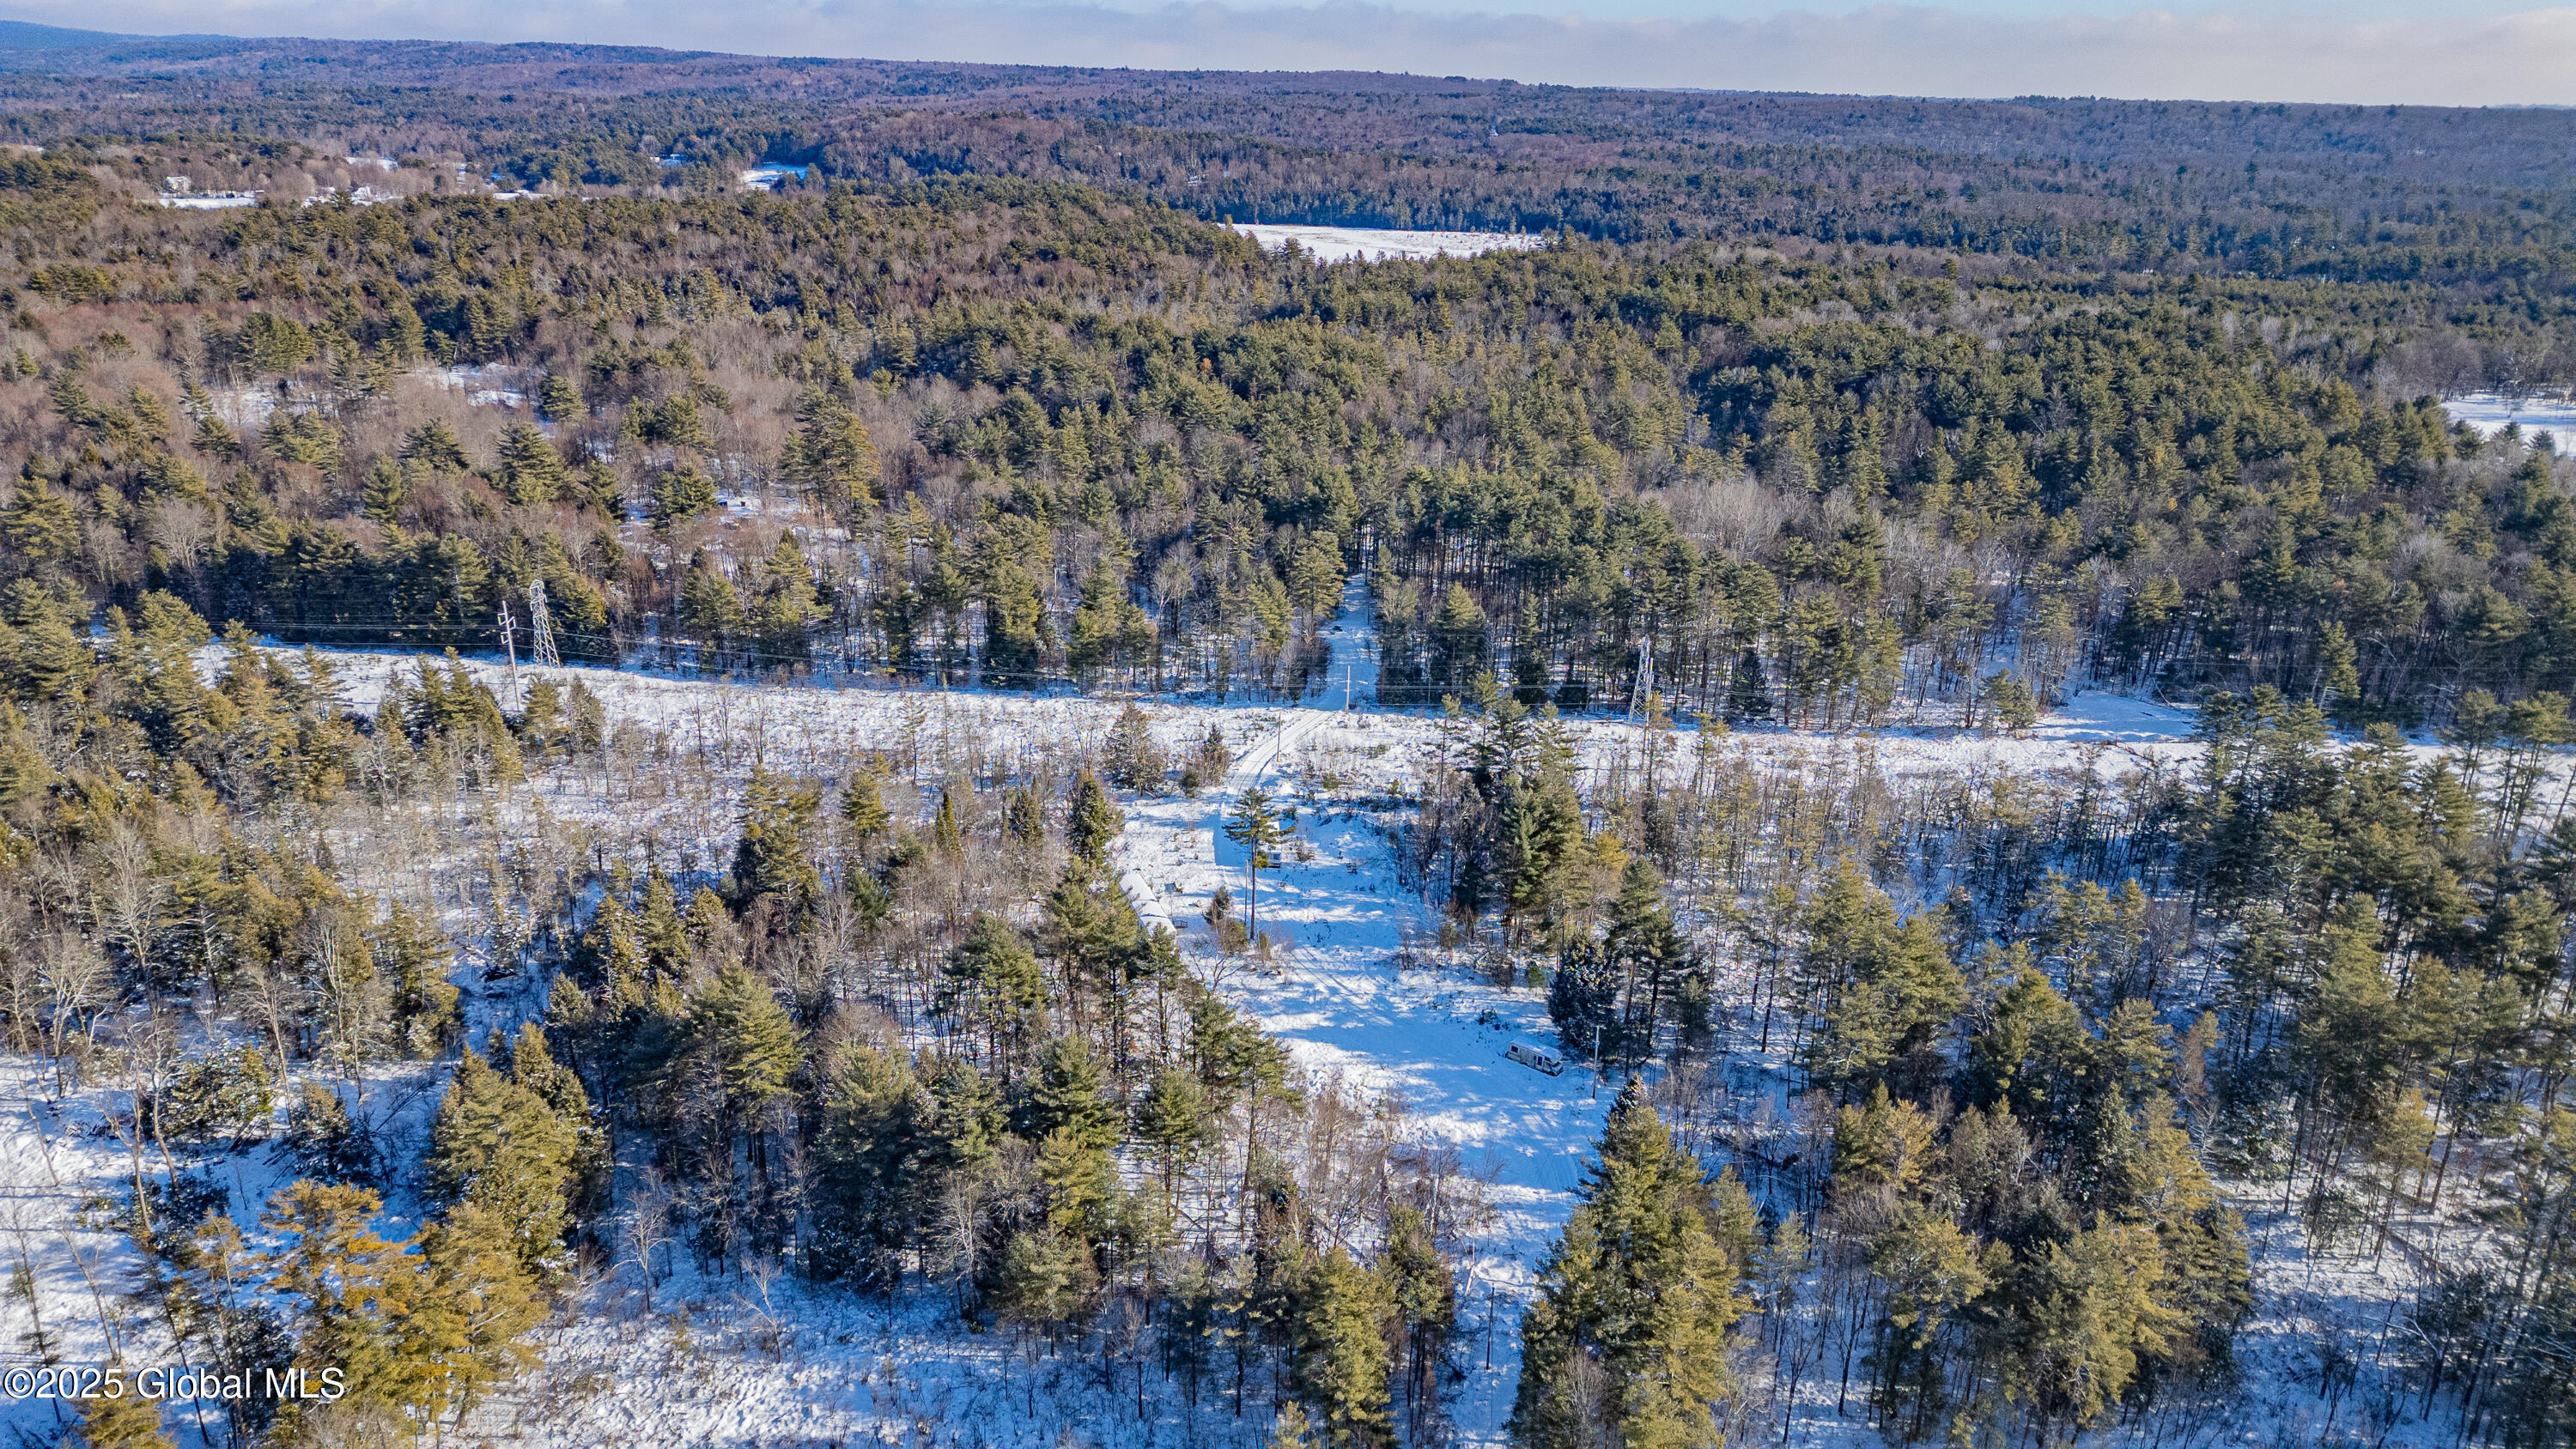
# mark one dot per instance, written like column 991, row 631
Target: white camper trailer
column 1535, row 1057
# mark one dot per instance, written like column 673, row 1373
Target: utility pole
column 510, row 651
column 541, row 629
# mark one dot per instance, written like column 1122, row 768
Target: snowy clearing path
column 1335, row 996
column 1355, row 993
column 1431, row 1037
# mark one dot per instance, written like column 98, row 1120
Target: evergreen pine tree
column 1424, row 1296
column 1637, row 1288
column 1093, row 821
column 534, row 1069
column 1645, row 947
column 612, row 954
column 679, row 493
column 126, row 1420
column 1748, row 695
column 382, row 496
column 433, row 445
column 1071, row 1096
column 709, row 604
column 831, row 455
column 531, row 471
column 992, row 979
column 2338, row 671
column 871, row 1150
column 1043, row 1281
column 1889, row 1018
column 863, row 808
column 503, row 1148
column 473, row 1305
column 1091, row 933
column 771, row 857
column 1459, row 642
column 1259, row 826
column 1341, row 1363
column 660, row 931
column 1583, row 1000
column 1078, row 1185
column 787, row 607
column 39, row 522
column 351, row 1290
column 747, row 1041
column 1173, row 1118
column 961, row 1129
column 1015, row 627
column 1132, row 759
column 1023, row 814
column 945, row 833
column 1539, row 829
column 426, row 1020
column 559, row 398
column 2352, row 1034
column 2032, row 1053
column 2093, row 1314
column 45, row 660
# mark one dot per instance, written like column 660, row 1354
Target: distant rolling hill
column 21, row 35
column 2478, row 202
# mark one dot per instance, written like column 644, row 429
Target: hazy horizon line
column 2513, row 60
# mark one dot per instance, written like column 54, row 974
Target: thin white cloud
column 2511, row 59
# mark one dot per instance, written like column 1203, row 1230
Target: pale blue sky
column 2455, row 52
column 2361, row 10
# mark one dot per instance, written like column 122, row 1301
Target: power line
column 605, row 650
column 510, row 647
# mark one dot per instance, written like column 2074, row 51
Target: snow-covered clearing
column 484, row 385
column 1372, row 244
column 1357, row 991
column 246, row 407
column 2488, row 413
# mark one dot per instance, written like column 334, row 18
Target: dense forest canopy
column 1059, row 434
column 2478, row 201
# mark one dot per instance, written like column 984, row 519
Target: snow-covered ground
column 1357, row 991
column 485, row 385
column 245, row 407
column 2488, row 412
column 1336, row 996
column 1373, row 244
column 1427, row 1032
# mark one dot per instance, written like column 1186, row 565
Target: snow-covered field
column 1373, row 244
column 732, row 1361
column 2488, row 412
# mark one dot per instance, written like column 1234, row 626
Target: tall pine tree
column 1626, row 1344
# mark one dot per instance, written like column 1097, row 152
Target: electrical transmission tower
column 1644, row 689
column 541, row 629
